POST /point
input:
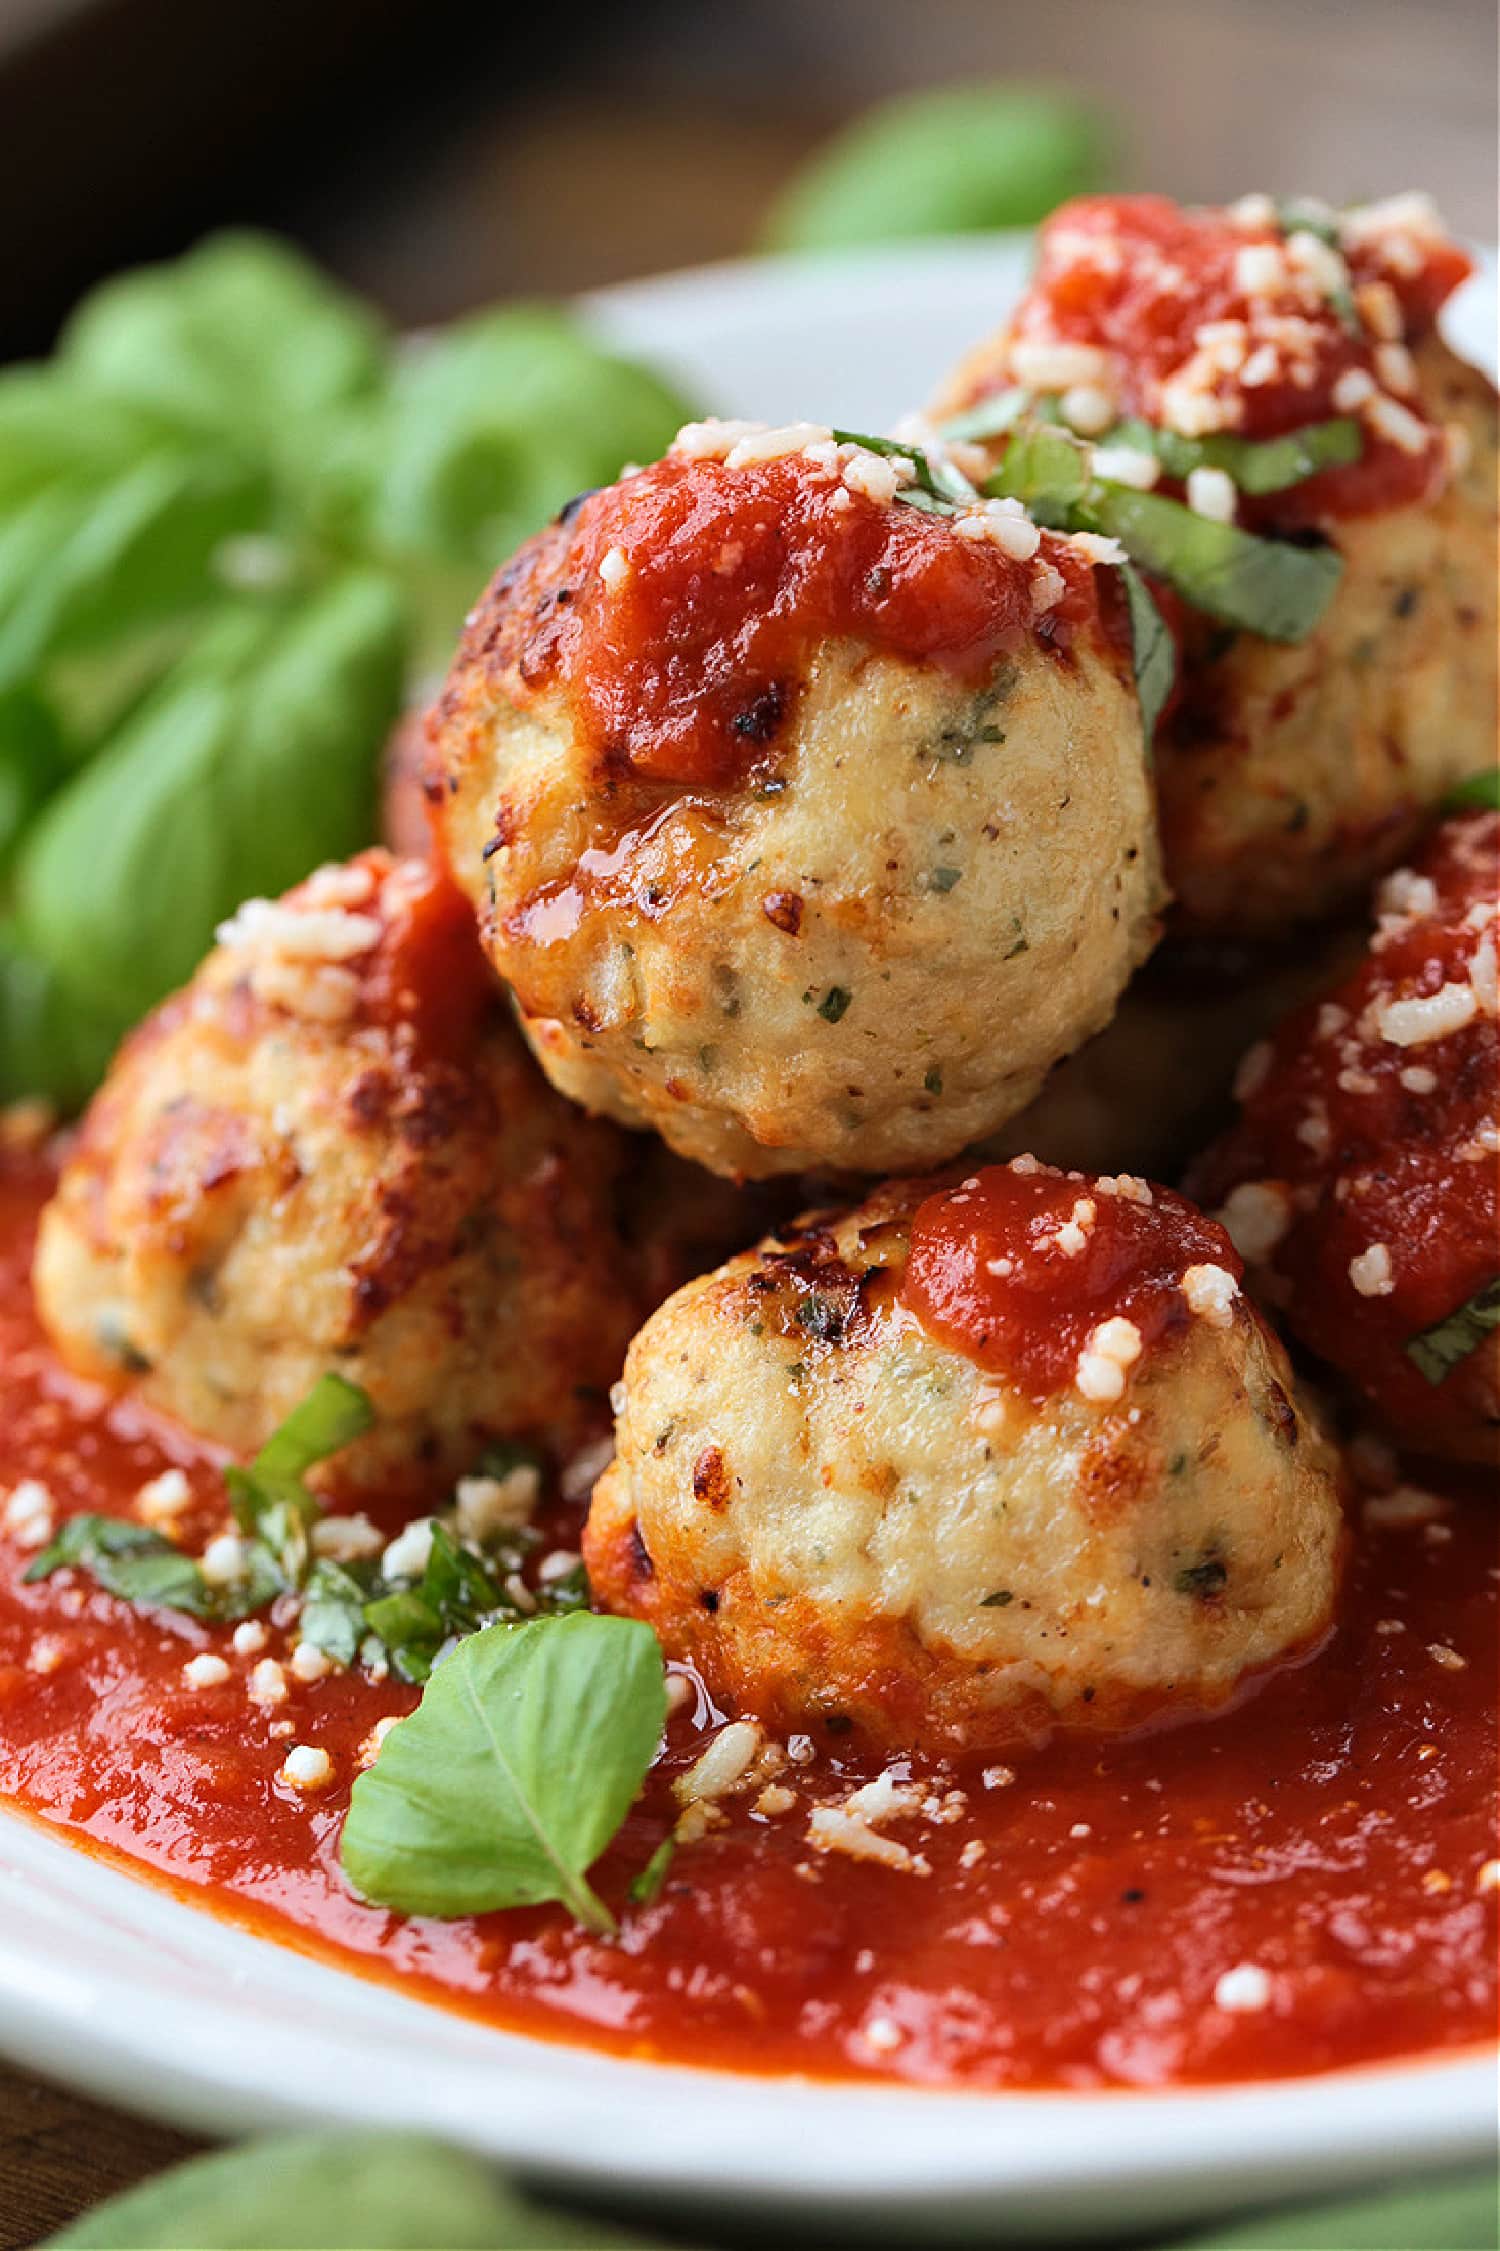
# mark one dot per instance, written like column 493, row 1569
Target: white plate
column 118, row 1987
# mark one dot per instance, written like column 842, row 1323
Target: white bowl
column 117, row 1986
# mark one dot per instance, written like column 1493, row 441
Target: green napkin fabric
column 393, row 2192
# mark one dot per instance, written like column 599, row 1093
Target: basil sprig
column 1438, row 1350
column 1256, row 465
column 272, row 1507
column 514, row 1772
column 1263, row 586
column 237, row 517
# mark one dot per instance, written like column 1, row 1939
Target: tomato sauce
column 1080, row 1910
column 1382, row 1143
column 1142, row 278
column 685, row 660
column 1018, row 1265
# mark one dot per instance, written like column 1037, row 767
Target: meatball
column 809, row 826
column 966, row 1464
column 1288, row 775
column 1360, row 1179
column 332, row 1151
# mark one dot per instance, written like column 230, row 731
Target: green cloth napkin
column 392, row 2192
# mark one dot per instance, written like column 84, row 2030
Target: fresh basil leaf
column 127, row 1560
column 989, row 418
column 518, row 1766
column 960, row 159
column 253, row 761
column 1438, row 1350
column 269, row 1496
column 1480, row 792
column 50, row 1045
column 33, row 761
column 1153, row 652
column 338, row 2192
column 1257, row 465
column 119, row 558
column 1047, row 470
column 334, row 1413
column 241, row 338
column 489, row 430
column 1264, row 586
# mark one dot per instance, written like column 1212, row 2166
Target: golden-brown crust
column 842, row 1523
column 258, row 1195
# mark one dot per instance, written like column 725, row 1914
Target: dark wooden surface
column 435, row 168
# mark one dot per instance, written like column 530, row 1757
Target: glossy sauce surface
column 1019, row 1264
column 1387, row 1143
column 685, row 661
column 1141, row 276
column 1080, row 1910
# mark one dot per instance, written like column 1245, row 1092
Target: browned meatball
column 1100, row 1505
column 332, row 1151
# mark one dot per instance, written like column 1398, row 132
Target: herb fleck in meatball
column 968, row 1463
column 809, row 827
column 1360, row 1180
column 331, row 1150
column 1288, row 775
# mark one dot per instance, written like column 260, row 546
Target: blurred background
column 437, row 156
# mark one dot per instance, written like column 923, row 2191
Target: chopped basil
column 1153, row 654
column 943, row 879
column 332, row 1617
column 514, row 1772
column 1308, row 214
column 127, row 1560
column 270, row 1498
column 456, row 1596
column 1048, row 471
column 1264, row 586
column 1480, row 792
column 833, row 1004
column 932, row 1081
column 937, row 478
column 1438, row 1350
column 989, row 418
column 1001, row 1599
column 1256, row 465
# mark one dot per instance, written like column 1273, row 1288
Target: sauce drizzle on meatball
column 1202, row 320
column 1039, row 1274
column 700, row 591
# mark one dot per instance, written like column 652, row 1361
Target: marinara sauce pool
column 1306, row 1882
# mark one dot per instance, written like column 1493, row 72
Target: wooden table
column 662, row 149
